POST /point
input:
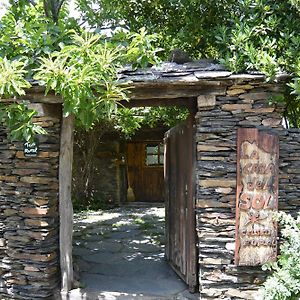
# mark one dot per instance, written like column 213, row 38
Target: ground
column 119, row 254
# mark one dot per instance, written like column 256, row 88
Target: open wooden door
column 180, row 201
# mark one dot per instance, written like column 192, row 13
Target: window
column 154, row 154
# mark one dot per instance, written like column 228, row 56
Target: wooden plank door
column 145, row 170
column 180, row 202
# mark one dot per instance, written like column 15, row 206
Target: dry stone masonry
column 29, row 267
column 29, row 186
column 244, row 104
column 225, row 102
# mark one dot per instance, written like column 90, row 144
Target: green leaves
column 188, row 25
column 16, row 116
column 264, row 37
column 141, row 50
column 18, row 119
column 284, row 283
column 128, row 121
column 85, row 74
column 26, row 33
column 12, row 80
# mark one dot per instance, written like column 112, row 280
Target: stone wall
column 104, row 181
column 244, row 104
column 29, row 267
column 29, row 219
column 289, row 175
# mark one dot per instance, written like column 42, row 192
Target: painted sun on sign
column 257, row 197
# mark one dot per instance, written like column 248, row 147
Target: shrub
column 284, row 283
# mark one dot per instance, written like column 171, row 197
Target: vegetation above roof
column 39, row 39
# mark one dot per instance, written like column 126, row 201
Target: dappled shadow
column 119, row 254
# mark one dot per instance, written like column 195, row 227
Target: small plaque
column 257, row 197
column 31, row 149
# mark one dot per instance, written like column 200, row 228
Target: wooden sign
column 257, row 197
column 31, row 149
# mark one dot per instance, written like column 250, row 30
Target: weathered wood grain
column 147, row 182
column 257, row 197
column 65, row 203
column 180, row 202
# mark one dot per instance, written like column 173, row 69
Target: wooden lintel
column 180, row 102
column 171, row 92
column 41, row 97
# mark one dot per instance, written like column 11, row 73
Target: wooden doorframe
column 193, row 264
column 65, row 205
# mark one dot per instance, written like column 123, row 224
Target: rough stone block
column 37, row 180
column 217, row 183
column 211, row 148
column 235, row 92
column 206, row 102
column 232, row 107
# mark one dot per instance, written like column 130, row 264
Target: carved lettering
column 257, row 190
column 260, row 169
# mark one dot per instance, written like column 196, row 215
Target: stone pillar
column 244, row 104
column 29, row 267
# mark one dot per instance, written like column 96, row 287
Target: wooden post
column 65, row 203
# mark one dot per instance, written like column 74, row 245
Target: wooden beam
column 171, row 92
column 182, row 102
column 65, row 203
column 40, row 97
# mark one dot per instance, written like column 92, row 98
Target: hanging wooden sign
column 257, row 197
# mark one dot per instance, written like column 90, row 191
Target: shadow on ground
column 119, row 254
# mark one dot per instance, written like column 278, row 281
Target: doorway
column 161, row 171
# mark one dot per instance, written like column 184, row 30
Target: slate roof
column 196, row 71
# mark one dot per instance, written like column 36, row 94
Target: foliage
column 264, row 36
column 296, row 4
column 12, row 80
column 18, row 119
column 251, row 35
column 168, row 116
column 16, row 116
column 293, row 102
column 284, row 283
column 85, row 74
column 183, row 24
column 141, row 50
column 27, row 34
column 80, row 67
column 128, row 121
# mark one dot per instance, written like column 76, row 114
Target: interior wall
column 108, row 179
